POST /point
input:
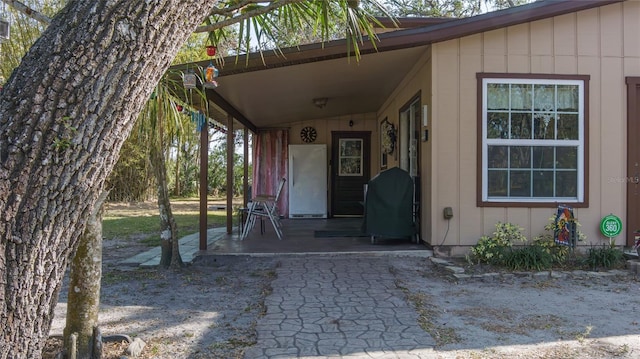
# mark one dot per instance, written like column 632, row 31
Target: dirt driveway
column 572, row 315
column 211, row 312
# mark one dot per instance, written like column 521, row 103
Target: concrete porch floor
column 299, row 238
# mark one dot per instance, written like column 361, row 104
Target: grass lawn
column 143, row 221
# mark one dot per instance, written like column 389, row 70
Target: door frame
column 633, row 158
column 366, row 158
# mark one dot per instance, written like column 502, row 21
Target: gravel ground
column 211, row 312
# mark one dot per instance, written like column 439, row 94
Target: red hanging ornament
column 211, row 50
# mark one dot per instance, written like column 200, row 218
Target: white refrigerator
column 307, row 181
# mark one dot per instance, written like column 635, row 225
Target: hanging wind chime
column 211, row 72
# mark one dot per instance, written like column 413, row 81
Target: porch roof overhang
column 275, row 88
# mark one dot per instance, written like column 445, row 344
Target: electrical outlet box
column 447, row 212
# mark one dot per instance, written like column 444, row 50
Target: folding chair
column 264, row 206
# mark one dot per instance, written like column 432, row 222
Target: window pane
column 543, row 157
column 567, row 127
column 521, row 125
column 498, row 156
column 567, row 184
column 497, row 184
column 350, row 147
column 544, row 98
column 544, row 126
column 520, row 156
column 523, row 120
column 521, row 97
column 520, row 184
column 497, row 97
column 543, row 183
column 497, row 125
column 568, row 98
column 567, row 157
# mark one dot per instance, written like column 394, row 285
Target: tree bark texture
column 85, row 272
column 64, row 114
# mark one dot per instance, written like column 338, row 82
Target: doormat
column 339, row 233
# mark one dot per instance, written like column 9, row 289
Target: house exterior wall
column 601, row 43
column 417, row 81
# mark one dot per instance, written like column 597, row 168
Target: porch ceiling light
column 320, row 102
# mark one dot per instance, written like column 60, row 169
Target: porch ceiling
column 282, row 95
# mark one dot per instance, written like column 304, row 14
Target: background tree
column 25, row 30
column 163, row 122
column 84, row 286
column 217, row 176
column 446, row 8
column 65, row 112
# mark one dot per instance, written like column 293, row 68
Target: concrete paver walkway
column 189, row 247
column 338, row 306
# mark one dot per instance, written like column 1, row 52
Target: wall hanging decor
column 387, row 141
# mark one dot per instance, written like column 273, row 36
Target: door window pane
column 350, row 158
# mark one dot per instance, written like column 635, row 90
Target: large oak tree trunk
column 64, row 114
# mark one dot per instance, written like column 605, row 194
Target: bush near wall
column 542, row 253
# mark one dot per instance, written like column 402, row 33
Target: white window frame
column 579, row 144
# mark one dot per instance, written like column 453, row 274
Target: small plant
column 491, row 250
column 607, row 256
column 547, row 244
column 65, row 140
column 532, row 257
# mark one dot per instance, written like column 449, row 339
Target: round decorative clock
column 308, row 134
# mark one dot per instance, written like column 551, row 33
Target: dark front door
column 350, row 171
column 633, row 158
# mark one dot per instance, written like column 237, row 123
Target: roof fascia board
column 502, row 18
column 406, row 38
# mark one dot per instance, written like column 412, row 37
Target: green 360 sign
column 611, row 226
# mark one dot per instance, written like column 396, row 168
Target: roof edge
column 403, row 38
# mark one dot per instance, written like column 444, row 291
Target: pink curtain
column 270, row 165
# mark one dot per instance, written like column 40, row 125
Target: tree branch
column 260, row 11
column 34, row 14
column 226, row 11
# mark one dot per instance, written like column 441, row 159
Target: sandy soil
column 210, row 312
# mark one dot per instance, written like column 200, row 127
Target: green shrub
column 607, row 256
column 491, row 250
column 532, row 257
column 547, row 244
